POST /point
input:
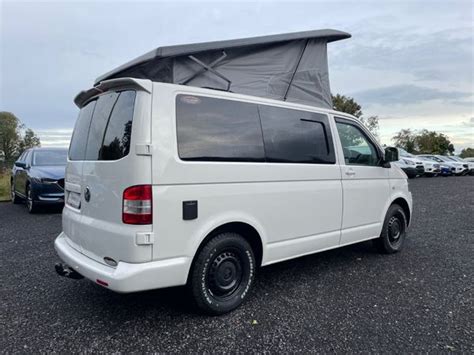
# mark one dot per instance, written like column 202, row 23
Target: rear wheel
column 222, row 274
column 31, row 204
column 393, row 233
column 14, row 197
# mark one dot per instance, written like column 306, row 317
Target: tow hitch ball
column 66, row 271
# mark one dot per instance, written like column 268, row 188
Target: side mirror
column 391, row 154
column 21, row 164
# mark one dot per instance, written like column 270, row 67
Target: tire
column 222, row 274
column 31, row 204
column 15, row 199
column 393, row 233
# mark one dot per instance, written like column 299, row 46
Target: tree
column 12, row 141
column 405, row 138
column 372, row 124
column 467, row 153
column 346, row 104
column 29, row 140
column 9, row 135
column 349, row 105
column 431, row 142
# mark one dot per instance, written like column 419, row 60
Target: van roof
column 329, row 35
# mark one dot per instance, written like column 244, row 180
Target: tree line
column 15, row 137
column 415, row 142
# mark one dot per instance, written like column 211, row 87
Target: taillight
column 137, row 205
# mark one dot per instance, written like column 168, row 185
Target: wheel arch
column 247, row 231
column 403, row 203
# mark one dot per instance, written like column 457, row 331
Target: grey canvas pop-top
column 290, row 67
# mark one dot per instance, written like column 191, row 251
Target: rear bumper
column 125, row 277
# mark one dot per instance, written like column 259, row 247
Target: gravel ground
column 346, row 300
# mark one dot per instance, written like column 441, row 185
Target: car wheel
column 393, row 233
column 14, row 197
column 222, row 274
column 31, row 204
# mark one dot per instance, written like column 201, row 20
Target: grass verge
column 4, row 186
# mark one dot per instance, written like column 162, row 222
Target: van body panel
column 289, row 200
column 284, row 210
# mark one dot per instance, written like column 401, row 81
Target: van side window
column 77, row 148
column 357, row 147
column 293, row 136
column 116, row 143
column 211, row 129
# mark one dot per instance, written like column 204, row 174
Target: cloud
column 469, row 123
column 54, row 137
column 406, row 94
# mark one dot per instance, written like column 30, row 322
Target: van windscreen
column 104, row 127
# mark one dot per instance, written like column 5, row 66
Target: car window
column 22, row 157
column 49, row 157
column 294, row 136
column 27, row 157
column 357, row 147
column 211, row 129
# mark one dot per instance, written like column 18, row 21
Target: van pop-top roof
column 289, row 67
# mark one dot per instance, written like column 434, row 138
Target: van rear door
column 105, row 158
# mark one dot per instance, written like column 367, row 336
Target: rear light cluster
column 137, row 205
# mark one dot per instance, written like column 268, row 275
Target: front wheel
column 31, row 204
column 14, row 197
column 222, row 274
column 393, row 233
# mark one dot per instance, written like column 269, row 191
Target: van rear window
column 104, row 127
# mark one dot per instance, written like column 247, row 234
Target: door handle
column 350, row 172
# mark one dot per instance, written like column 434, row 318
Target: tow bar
column 66, row 271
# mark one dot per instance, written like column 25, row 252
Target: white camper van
column 170, row 184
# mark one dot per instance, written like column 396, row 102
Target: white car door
column 365, row 182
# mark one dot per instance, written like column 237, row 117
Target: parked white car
column 169, row 185
column 467, row 164
column 432, row 168
column 457, row 168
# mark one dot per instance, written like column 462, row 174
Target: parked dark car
column 38, row 177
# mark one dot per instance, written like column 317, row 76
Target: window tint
column 357, row 148
column 217, row 129
column 102, row 111
column 77, row 148
column 49, row 157
column 119, row 129
column 296, row 136
column 104, row 127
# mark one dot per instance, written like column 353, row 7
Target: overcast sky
column 409, row 62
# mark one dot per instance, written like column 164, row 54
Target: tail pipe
column 66, row 271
